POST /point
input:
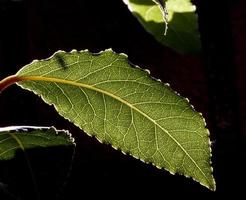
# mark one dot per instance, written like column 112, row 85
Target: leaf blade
column 26, row 137
column 182, row 34
column 122, row 105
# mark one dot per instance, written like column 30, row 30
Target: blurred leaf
column 35, row 162
column 182, row 34
column 26, row 137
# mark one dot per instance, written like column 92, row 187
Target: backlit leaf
column 182, row 34
column 124, row 106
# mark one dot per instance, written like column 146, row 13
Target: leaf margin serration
column 125, row 56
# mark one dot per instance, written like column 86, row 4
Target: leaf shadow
column 60, row 60
column 142, row 2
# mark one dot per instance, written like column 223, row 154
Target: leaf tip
column 211, row 185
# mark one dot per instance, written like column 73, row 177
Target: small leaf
column 122, row 105
column 182, row 34
column 25, row 137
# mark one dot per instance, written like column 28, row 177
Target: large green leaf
column 27, row 137
column 182, row 34
column 121, row 104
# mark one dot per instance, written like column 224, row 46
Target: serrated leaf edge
column 213, row 188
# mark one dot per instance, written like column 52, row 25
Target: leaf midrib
column 17, row 141
column 83, row 85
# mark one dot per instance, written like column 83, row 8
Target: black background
column 213, row 81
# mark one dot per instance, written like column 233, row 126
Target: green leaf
column 182, row 34
column 121, row 104
column 26, row 137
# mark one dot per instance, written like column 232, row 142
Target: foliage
column 121, row 104
column 182, row 33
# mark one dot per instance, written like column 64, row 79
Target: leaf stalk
column 8, row 81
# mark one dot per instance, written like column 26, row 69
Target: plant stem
column 8, row 81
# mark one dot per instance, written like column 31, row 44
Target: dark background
column 213, row 81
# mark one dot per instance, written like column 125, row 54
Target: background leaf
column 182, row 34
column 26, row 137
column 122, row 105
column 35, row 162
